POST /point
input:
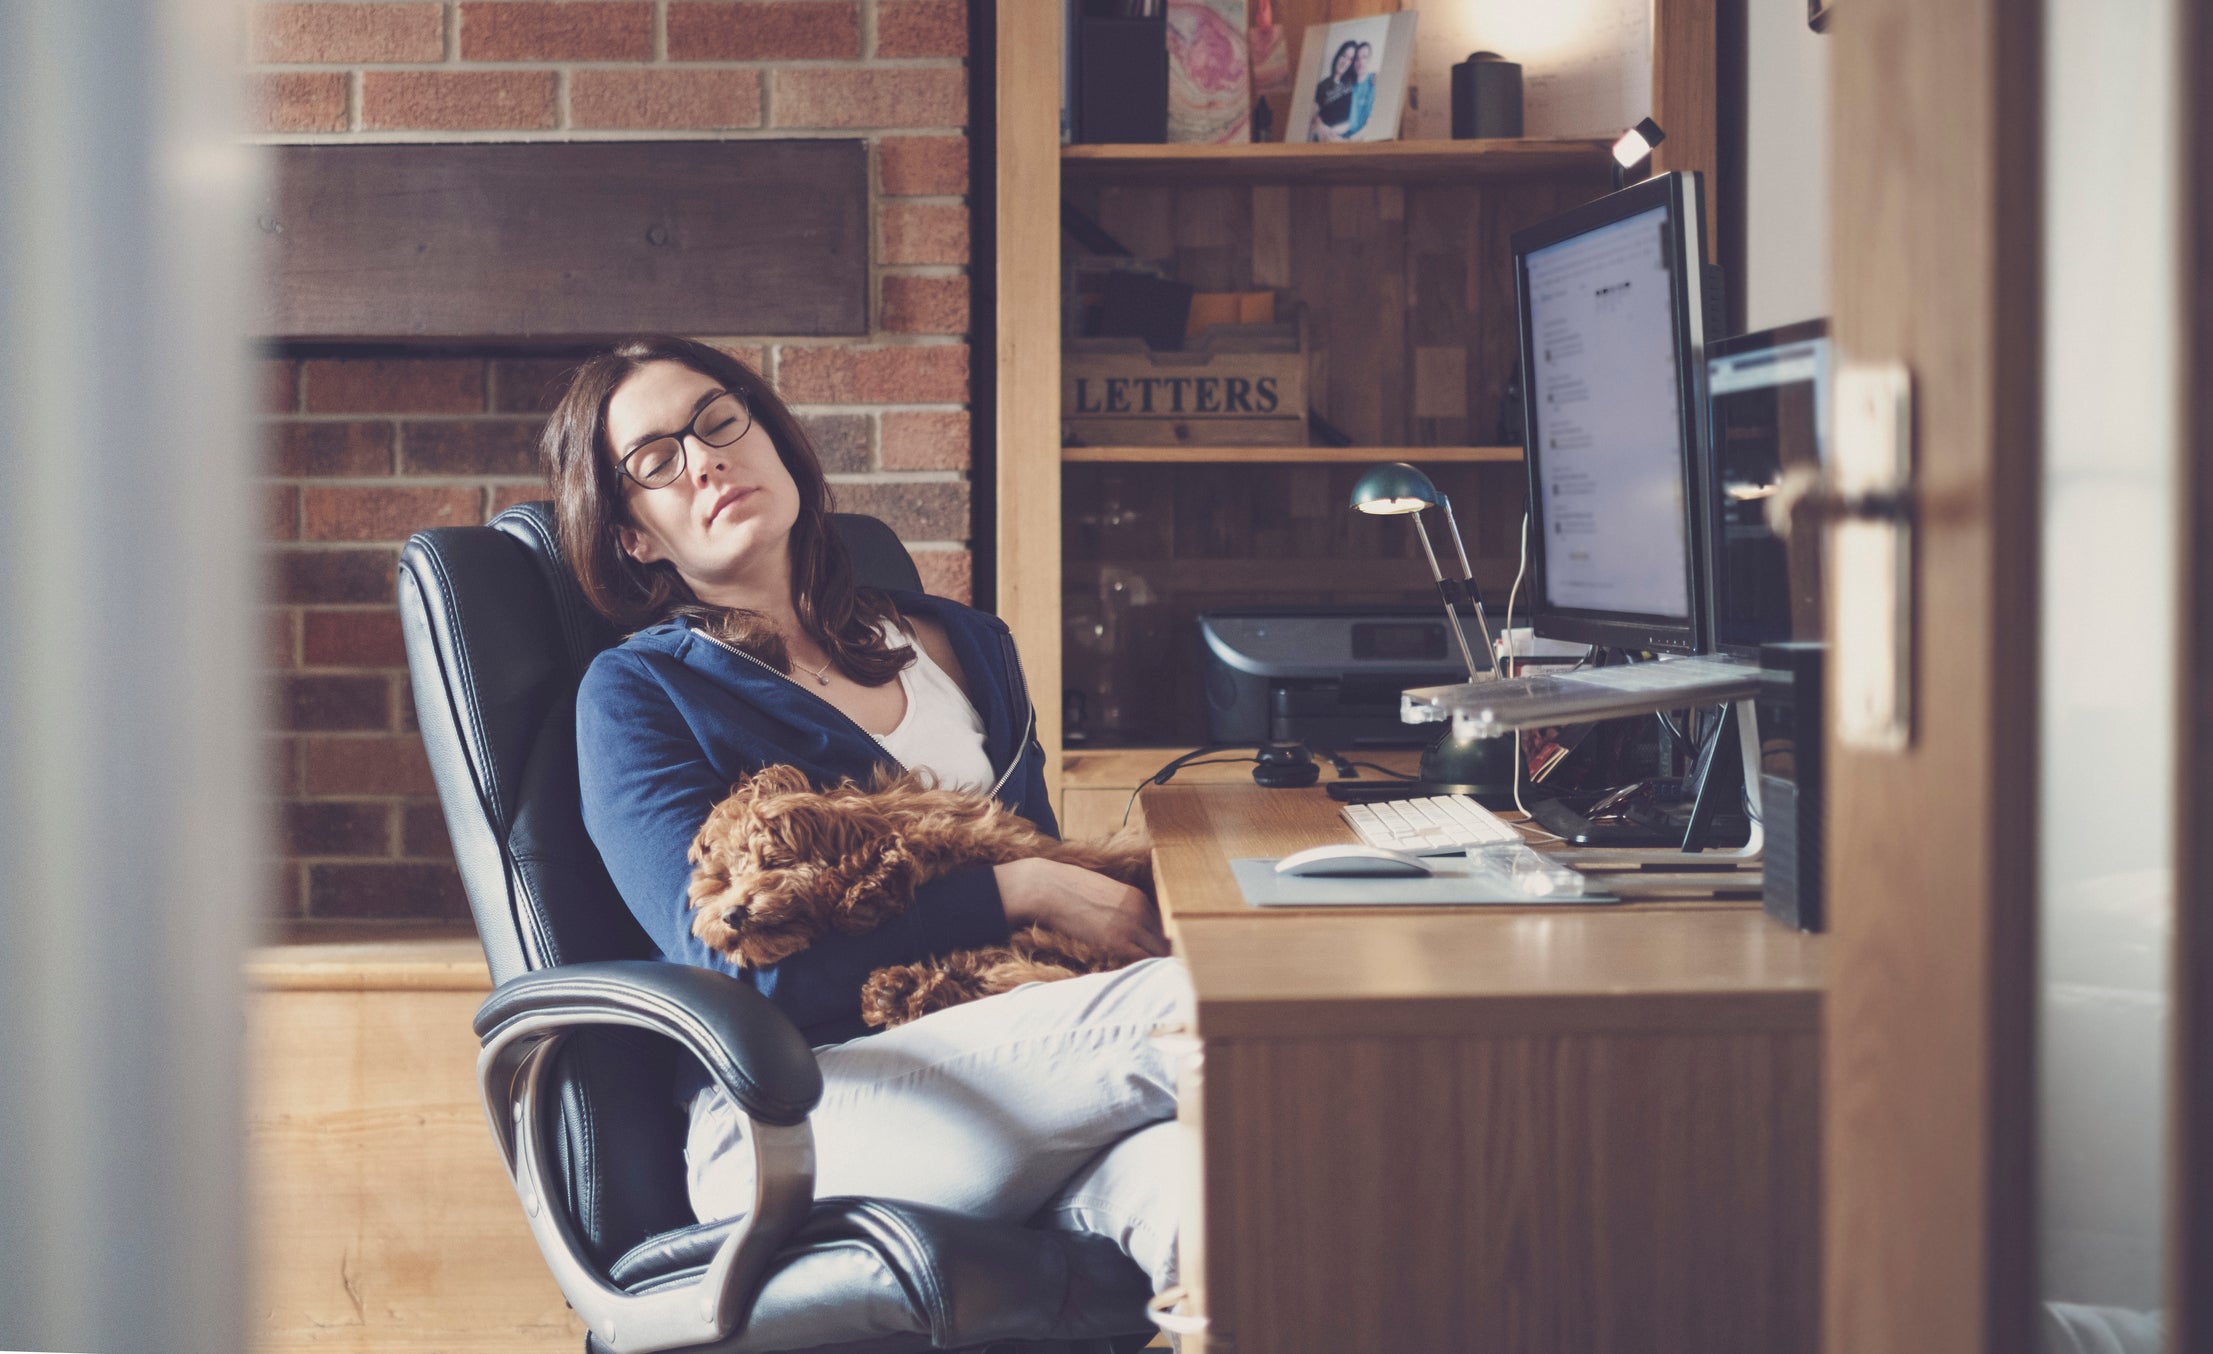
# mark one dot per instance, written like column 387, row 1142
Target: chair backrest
column 498, row 636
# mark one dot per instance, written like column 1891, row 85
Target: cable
column 1161, row 776
column 1395, row 775
column 1521, row 569
column 1512, row 593
column 1337, row 762
column 1527, row 824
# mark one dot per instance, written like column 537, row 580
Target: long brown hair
column 589, row 507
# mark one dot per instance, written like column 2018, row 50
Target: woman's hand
column 1080, row 904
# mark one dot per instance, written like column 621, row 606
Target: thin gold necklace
column 821, row 674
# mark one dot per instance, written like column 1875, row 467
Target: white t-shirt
column 941, row 732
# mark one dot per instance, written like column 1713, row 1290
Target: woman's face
column 1362, row 59
column 1343, row 63
column 727, row 519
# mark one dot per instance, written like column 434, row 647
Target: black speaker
column 1122, row 80
column 1486, row 97
column 1789, row 707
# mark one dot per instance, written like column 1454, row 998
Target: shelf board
column 1299, row 578
column 1191, row 455
column 1365, row 162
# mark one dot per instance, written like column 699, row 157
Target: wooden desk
column 1586, row 1129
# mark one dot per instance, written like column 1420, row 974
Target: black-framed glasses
column 661, row 462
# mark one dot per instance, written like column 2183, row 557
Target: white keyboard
column 1439, row 825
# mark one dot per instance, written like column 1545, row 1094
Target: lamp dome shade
column 1393, row 489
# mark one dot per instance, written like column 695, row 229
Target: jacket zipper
column 1029, row 723
column 787, row 677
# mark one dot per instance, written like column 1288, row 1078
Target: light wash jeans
column 1048, row 1104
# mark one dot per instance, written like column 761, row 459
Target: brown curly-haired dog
column 780, row 863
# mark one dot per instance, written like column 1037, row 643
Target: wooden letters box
column 1244, row 386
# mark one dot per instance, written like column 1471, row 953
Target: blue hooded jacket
column 669, row 720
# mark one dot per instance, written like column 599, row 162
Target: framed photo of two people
column 1351, row 83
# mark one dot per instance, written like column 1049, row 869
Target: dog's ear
column 780, row 779
column 771, row 782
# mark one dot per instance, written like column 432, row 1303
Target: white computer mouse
column 1351, row 858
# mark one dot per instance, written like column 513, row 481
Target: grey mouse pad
column 1455, row 884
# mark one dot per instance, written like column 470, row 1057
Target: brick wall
column 366, row 449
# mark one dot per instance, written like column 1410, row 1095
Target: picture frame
column 1352, row 78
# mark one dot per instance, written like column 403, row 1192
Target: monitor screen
column 1767, row 399
column 1612, row 370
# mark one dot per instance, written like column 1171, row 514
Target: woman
column 695, row 514
column 1363, row 93
column 1333, row 96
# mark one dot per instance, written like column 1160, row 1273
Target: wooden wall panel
column 1151, row 546
column 383, row 1219
column 567, row 240
column 1686, row 45
column 1383, row 273
column 1409, row 302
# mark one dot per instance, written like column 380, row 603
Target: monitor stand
column 1724, row 778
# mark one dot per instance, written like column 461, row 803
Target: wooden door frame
column 1928, row 1224
column 1025, row 368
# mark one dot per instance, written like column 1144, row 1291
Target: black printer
column 1327, row 676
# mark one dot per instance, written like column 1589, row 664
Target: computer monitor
column 1767, row 409
column 1613, row 380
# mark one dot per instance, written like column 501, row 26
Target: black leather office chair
column 583, row 1032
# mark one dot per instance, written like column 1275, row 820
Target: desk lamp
column 1457, row 762
column 1634, row 145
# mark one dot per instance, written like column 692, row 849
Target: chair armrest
column 748, row 1046
column 757, row 1056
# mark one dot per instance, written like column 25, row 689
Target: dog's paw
column 1041, row 949
column 903, row 992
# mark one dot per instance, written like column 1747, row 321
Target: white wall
column 2113, row 278
column 1587, row 71
column 1786, row 180
column 1586, row 65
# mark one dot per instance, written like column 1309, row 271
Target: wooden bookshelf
column 1195, row 455
column 1370, row 162
column 1397, row 256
